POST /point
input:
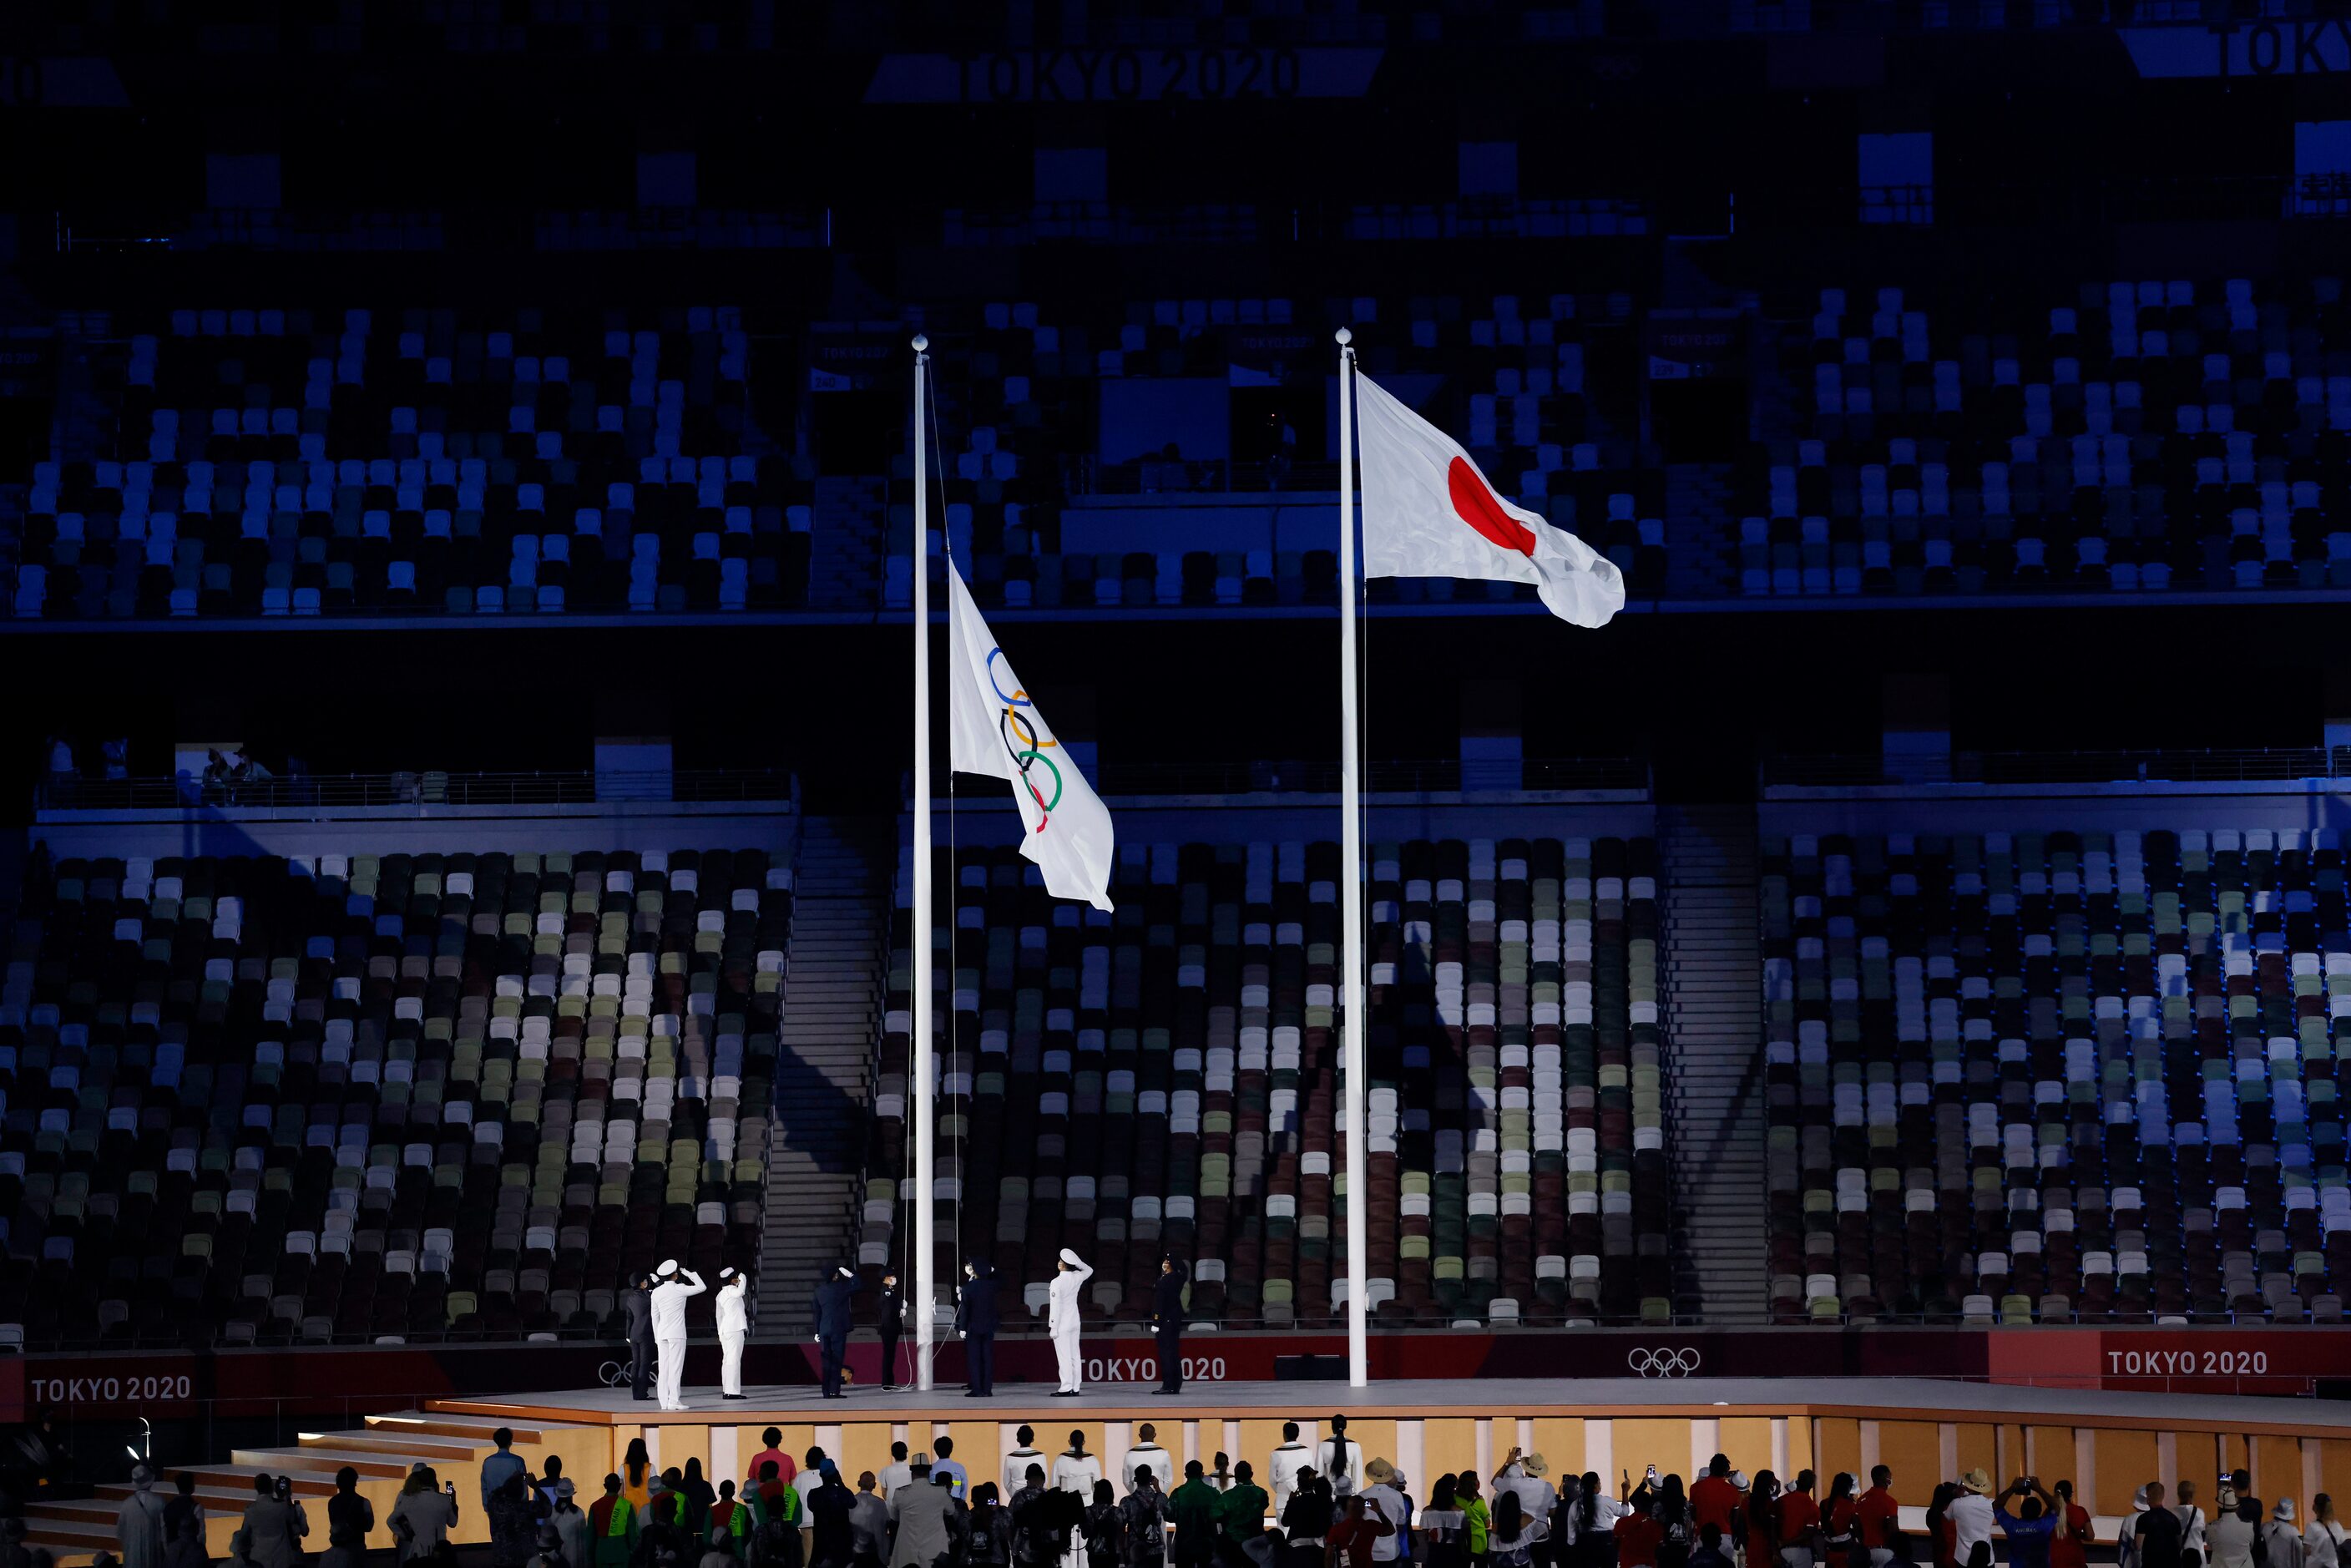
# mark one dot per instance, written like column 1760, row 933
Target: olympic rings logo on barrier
column 1675, row 1361
column 1021, row 741
column 611, row 1375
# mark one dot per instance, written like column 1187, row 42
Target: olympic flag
column 994, row 727
column 1427, row 512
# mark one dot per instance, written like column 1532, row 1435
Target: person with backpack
column 1102, row 1529
column 2234, row 1536
column 1046, row 1527
column 1671, row 1508
column 1306, row 1521
column 989, row 1530
column 777, row 1516
column 2069, row 1546
column 1143, row 1519
column 2281, row 1539
column 2322, row 1542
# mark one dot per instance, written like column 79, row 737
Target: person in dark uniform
column 637, row 1304
column 1167, row 1321
column 889, row 1317
column 975, row 1321
column 832, row 1326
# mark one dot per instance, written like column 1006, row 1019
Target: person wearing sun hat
column 1525, row 1476
column 1383, row 1495
column 1971, row 1514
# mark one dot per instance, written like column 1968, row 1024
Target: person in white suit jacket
column 1075, row 1471
column 1061, row 1319
column 673, row 1286
column 734, row 1326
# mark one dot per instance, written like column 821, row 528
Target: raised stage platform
column 1926, row 1430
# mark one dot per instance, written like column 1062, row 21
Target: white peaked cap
column 1072, row 1258
column 668, row 1267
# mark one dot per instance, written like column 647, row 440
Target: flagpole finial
column 1345, row 336
column 922, row 343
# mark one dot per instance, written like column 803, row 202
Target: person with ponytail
column 1762, row 1521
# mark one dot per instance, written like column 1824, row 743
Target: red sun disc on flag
column 1477, row 505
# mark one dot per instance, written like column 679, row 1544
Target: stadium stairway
column 1701, row 528
column 833, row 973
column 1715, row 1032
column 382, row 1450
column 845, row 563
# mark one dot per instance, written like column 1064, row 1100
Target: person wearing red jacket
column 1715, row 1498
column 1798, row 1523
column 1879, row 1517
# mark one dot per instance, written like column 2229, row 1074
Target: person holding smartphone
column 2031, row 1524
column 424, row 1514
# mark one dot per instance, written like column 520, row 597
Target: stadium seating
column 1025, row 380
column 276, row 462
column 2059, row 1075
column 2134, row 437
column 2111, row 436
column 400, row 1095
column 1165, row 1079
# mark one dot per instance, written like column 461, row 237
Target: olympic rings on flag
column 1015, row 698
column 1021, row 741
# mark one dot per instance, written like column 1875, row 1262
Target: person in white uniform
column 1147, row 1452
column 1062, row 1321
column 1281, row 1466
column 673, row 1286
column 1023, row 1454
column 1340, row 1459
column 734, row 1325
column 1075, row 1471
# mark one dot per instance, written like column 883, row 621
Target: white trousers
column 730, row 1363
column 1065, row 1352
column 670, row 1373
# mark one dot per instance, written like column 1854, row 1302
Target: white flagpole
column 1350, row 891
column 919, row 1089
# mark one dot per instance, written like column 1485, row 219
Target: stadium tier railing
column 2217, row 766
column 1320, row 776
column 427, row 787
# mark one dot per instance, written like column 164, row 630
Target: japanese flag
column 1427, row 512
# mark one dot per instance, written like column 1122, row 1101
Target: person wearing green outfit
column 612, row 1526
column 1473, row 1507
column 1193, row 1509
column 1241, row 1513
